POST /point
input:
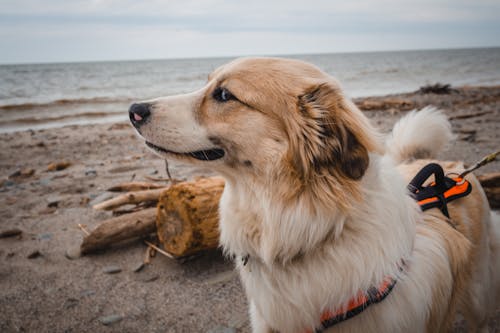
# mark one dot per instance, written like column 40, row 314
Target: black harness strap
column 438, row 193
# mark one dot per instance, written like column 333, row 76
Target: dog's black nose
column 138, row 113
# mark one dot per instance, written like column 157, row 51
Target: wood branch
column 469, row 115
column 118, row 229
column 188, row 216
column 134, row 186
column 130, row 198
column 491, row 185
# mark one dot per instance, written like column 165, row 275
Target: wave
column 62, row 118
column 65, row 101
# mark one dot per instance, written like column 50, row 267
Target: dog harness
column 356, row 305
column 437, row 194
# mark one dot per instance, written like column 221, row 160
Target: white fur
column 420, row 134
column 306, row 257
column 366, row 246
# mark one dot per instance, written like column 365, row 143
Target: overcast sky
column 78, row 30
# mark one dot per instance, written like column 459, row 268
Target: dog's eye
column 222, row 95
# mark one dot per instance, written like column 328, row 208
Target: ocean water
column 51, row 95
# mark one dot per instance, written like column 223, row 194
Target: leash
column 487, row 159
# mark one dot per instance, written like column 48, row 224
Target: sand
column 52, row 293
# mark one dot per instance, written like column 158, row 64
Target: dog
column 315, row 208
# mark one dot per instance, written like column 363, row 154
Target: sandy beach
column 44, row 289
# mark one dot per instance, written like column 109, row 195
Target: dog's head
column 263, row 118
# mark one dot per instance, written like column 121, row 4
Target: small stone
column 57, row 166
column 70, row 303
column 15, row 174
column 111, row 319
column 73, row 253
column 139, row 267
column 45, row 236
column 33, row 255
column 10, row 233
column 8, row 183
column 22, row 173
column 53, row 204
column 53, row 201
column 112, row 269
column 45, row 181
column 91, row 172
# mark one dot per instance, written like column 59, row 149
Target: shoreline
column 95, row 111
column 53, row 292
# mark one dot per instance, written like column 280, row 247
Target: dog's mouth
column 202, row 155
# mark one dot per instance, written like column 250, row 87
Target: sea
column 40, row 96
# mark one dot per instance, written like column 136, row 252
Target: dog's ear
column 335, row 136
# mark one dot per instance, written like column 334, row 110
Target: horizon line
column 242, row 56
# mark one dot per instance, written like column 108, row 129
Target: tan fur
column 320, row 211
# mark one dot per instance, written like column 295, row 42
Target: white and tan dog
column 316, row 209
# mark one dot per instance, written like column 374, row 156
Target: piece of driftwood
column 491, row 185
column 437, row 88
column 188, row 216
column 134, row 186
column 118, row 229
column 469, row 115
column 135, row 197
column 386, row 104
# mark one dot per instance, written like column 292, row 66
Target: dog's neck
column 255, row 222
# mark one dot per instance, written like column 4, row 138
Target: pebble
column 70, row 303
column 8, row 183
column 34, row 254
column 22, row 173
column 10, row 233
column 45, row 181
column 112, row 269
column 45, row 236
column 73, row 253
column 57, row 166
column 111, row 319
column 91, row 172
column 139, row 267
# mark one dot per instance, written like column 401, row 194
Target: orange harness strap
column 356, row 305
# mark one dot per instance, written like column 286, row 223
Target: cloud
column 55, row 30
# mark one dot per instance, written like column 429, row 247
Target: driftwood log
column 188, row 216
column 118, row 229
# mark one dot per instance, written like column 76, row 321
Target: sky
column 33, row 31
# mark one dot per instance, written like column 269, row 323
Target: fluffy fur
column 321, row 212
